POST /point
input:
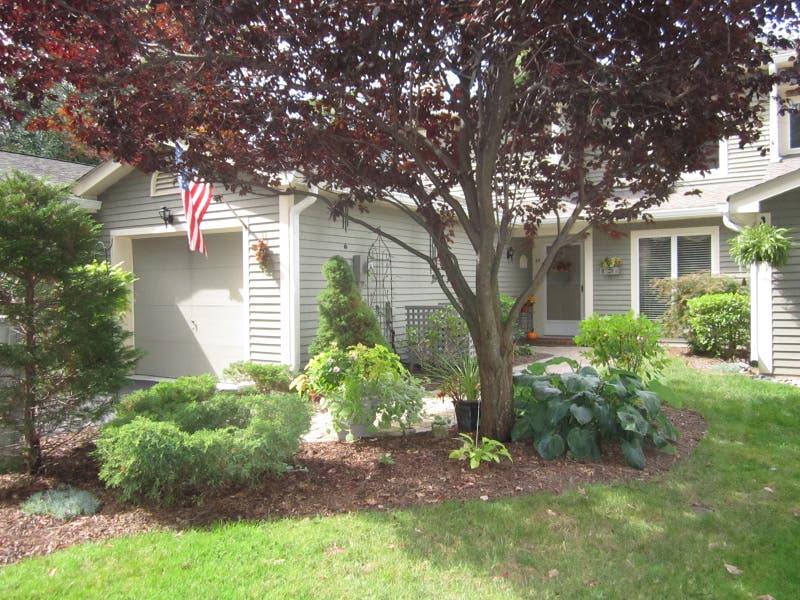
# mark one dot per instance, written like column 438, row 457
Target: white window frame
column 783, row 130
column 673, row 234
column 154, row 191
column 720, row 171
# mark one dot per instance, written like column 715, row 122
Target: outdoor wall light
column 166, row 215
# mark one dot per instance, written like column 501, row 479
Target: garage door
column 188, row 309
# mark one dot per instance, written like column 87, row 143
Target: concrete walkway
column 321, row 430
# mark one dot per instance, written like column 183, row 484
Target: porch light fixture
column 166, row 215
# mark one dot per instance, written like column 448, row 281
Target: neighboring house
column 193, row 314
column 54, row 171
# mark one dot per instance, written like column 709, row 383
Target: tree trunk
column 33, row 441
column 497, row 391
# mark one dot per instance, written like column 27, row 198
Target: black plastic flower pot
column 467, row 415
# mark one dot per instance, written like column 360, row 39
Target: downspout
column 294, row 278
column 760, row 350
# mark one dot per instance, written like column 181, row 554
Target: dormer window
column 794, row 130
column 789, row 128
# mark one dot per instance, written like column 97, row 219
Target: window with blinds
column 162, row 184
column 669, row 256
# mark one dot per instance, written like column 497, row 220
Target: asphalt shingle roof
column 56, row 171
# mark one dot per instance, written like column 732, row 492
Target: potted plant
column 440, row 426
column 360, row 385
column 611, row 265
column 461, row 383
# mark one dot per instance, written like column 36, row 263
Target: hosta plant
column 486, row 451
column 579, row 411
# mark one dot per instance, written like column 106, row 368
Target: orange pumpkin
column 532, row 335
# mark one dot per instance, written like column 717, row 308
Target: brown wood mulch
column 328, row 478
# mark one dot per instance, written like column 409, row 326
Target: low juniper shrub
column 266, row 378
column 191, row 445
column 64, row 502
column 579, row 411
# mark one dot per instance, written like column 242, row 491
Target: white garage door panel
column 188, row 310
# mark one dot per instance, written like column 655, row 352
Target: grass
column 735, row 501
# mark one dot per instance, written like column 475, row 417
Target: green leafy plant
column 179, row 439
column 360, row 384
column 624, row 341
column 344, row 318
column 266, row 378
column 486, row 451
column 762, row 243
column 611, row 262
column 460, row 379
column 680, row 290
column 63, row 502
column 506, row 304
column 580, row 410
column 386, row 459
column 719, row 324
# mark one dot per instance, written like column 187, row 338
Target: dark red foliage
column 459, row 107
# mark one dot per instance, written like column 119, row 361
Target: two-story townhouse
column 691, row 233
column 194, row 314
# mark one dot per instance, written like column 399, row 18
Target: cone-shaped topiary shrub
column 344, row 318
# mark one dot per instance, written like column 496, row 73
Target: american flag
column 196, row 196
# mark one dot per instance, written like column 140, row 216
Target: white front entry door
column 561, row 299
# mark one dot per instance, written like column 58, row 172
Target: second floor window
column 794, row 129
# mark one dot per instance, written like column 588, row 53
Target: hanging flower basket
column 263, row 256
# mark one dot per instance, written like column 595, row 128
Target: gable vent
column 162, row 184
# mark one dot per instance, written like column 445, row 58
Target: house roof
column 55, row 171
column 781, row 177
column 58, row 172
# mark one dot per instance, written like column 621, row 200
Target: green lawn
column 735, row 501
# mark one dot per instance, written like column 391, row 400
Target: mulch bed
column 328, row 478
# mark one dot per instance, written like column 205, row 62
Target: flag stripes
column 196, row 197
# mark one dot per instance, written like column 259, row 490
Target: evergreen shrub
column 198, row 441
column 344, row 317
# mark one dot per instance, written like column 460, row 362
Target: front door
column 563, row 293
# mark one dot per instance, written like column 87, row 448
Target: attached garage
column 188, row 310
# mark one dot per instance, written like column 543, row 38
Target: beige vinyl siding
column 612, row 293
column 785, row 212
column 129, row 205
column 412, row 285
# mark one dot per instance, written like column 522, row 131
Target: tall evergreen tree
column 63, row 306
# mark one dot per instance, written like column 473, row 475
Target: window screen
column 656, row 262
